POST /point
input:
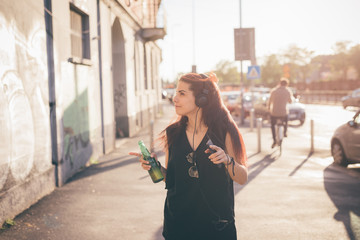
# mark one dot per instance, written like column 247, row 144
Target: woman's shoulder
column 173, row 132
column 173, row 128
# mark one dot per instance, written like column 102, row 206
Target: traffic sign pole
column 241, row 79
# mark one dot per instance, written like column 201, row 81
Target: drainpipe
column 51, row 81
column 100, row 74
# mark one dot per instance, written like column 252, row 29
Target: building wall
column 77, row 93
column 89, row 96
column 26, row 172
column 135, row 110
column 107, row 83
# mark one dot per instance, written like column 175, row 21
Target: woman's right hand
column 144, row 164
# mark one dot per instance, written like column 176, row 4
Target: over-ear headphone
column 201, row 100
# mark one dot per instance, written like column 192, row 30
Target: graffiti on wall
column 119, row 105
column 76, row 128
column 25, row 146
column 119, row 97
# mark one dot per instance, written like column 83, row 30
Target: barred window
column 80, row 34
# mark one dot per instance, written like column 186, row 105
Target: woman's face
column 184, row 100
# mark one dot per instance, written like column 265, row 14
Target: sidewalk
column 114, row 199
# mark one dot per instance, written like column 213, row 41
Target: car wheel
column 302, row 119
column 338, row 154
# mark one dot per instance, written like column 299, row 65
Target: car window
column 356, row 92
column 232, row 97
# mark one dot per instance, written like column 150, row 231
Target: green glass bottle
column 155, row 171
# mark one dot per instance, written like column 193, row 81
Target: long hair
column 214, row 114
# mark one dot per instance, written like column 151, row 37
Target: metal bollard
column 258, row 125
column 152, row 136
column 252, row 114
column 312, row 135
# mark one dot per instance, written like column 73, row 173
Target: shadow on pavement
column 344, row 192
column 255, row 169
column 301, row 164
column 158, row 235
column 108, row 165
column 104, row 167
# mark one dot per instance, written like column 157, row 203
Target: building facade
column 75, row 75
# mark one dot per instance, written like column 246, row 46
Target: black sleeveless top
column 198, row 208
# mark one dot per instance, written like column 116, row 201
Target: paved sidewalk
column 114, row 199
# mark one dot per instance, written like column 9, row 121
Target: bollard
column 258, row 125
column 152, row 136
column 312, row 135
column 252, row 113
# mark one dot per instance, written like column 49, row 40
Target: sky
column 312, row 24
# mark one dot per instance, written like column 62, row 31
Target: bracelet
column 231, row 162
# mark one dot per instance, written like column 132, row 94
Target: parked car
column 297, row 112
column 232, row 101
column 168, row 93
column 351, row 100
column 345, row 143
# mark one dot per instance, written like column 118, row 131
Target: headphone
column 201, row 100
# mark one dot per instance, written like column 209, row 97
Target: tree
column 299, row 59
column 340, row 61
column 354, row 58
column 271, row 70
column 321, row 67
column 227, row 72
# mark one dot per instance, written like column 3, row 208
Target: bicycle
column 279, row 133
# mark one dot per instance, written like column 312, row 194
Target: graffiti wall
column 77, row 91
column 77, row 103
column 25, row 146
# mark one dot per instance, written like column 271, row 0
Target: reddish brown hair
column 214, row 114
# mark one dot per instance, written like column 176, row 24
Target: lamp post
column 241, row 76
column 193, row 67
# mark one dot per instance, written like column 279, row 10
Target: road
column 299, row 195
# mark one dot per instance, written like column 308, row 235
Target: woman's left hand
column 218, row 156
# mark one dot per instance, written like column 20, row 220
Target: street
column 301, row 195
column 297, row 195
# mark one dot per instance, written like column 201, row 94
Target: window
column 80, row 34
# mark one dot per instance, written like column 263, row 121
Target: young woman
column 205, row 153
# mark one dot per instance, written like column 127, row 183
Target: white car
column 345, row 143
column 297, row 112
column 351, row 100
column 296, row 109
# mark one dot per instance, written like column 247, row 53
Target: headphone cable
column 195, row 130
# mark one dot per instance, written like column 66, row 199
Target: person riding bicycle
column 280, row 96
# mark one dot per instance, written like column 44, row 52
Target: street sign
column 253, row 72
column 244, row 43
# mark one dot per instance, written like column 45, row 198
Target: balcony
column 152, row 34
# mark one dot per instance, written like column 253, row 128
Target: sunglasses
column 193, row 171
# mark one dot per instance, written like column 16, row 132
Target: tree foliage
column 340, row 61
column 299, row 65
column 354, row 58
column 271, row 70
column 227, row 72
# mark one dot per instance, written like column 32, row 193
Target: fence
column 322, row 97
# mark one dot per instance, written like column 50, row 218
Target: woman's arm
column 240, row 173
column 237, row 172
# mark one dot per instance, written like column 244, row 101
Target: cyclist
column 280, row 96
